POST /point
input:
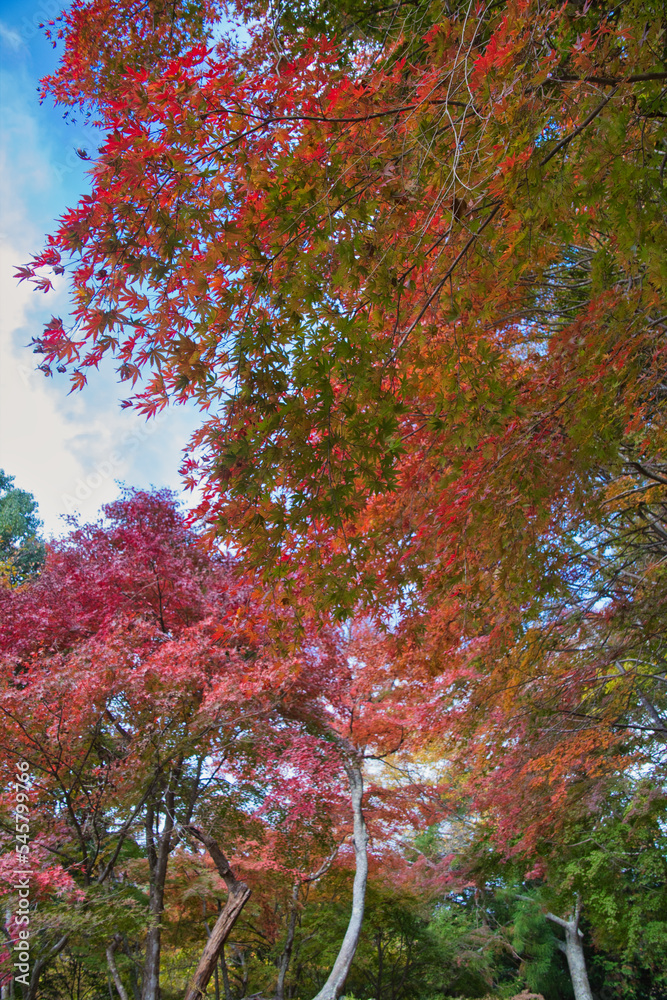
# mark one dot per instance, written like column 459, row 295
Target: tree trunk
column 239, row 893
column 286, row 957
column 150, row 983
column 225, row 975
column 216, row 977
column 158, row 860
column 41, row 964
column 113, row 968
column 336, row 980
column 134, row 978
column 574, row 952
column 380, row 950
column 573, row 949
column 283, row 965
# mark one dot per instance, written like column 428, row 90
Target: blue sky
column 69, row 450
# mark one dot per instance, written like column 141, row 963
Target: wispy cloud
column 10, row 38
column 69, row 450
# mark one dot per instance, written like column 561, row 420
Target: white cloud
column 69, row 450
column 10, row 38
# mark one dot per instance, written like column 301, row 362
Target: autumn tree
column 412, row 268
column 377, row 339
column 101, row 694
column 410, row 262
column 145, row 690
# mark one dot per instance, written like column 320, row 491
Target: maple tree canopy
column 141, row 688
column 409, row 261
column 411, row 265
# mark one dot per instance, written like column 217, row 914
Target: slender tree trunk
column 380, row 951
column 239, row 893
column 134, row 979
column 336, row 980
column 150, row 983
column 150, row 988
column 245, row 973
column 113, row 968
column 41, row 964
column 225, row 974
column 5, row 992
column 158, row 859
column 283, row 965
column 573, row 949
column 286, row 956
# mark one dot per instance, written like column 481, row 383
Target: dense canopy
column 409, row 261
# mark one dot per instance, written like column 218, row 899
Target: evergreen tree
column 21, row 550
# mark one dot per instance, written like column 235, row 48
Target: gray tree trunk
column 334, row 984
column 283, row 964
column 158, row 859
column 113, row 968
column 225, row 975
column 286, row 956
column 573, row 949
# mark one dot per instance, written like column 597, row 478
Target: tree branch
column 568, row 138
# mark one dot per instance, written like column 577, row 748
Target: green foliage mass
column 21, row 551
